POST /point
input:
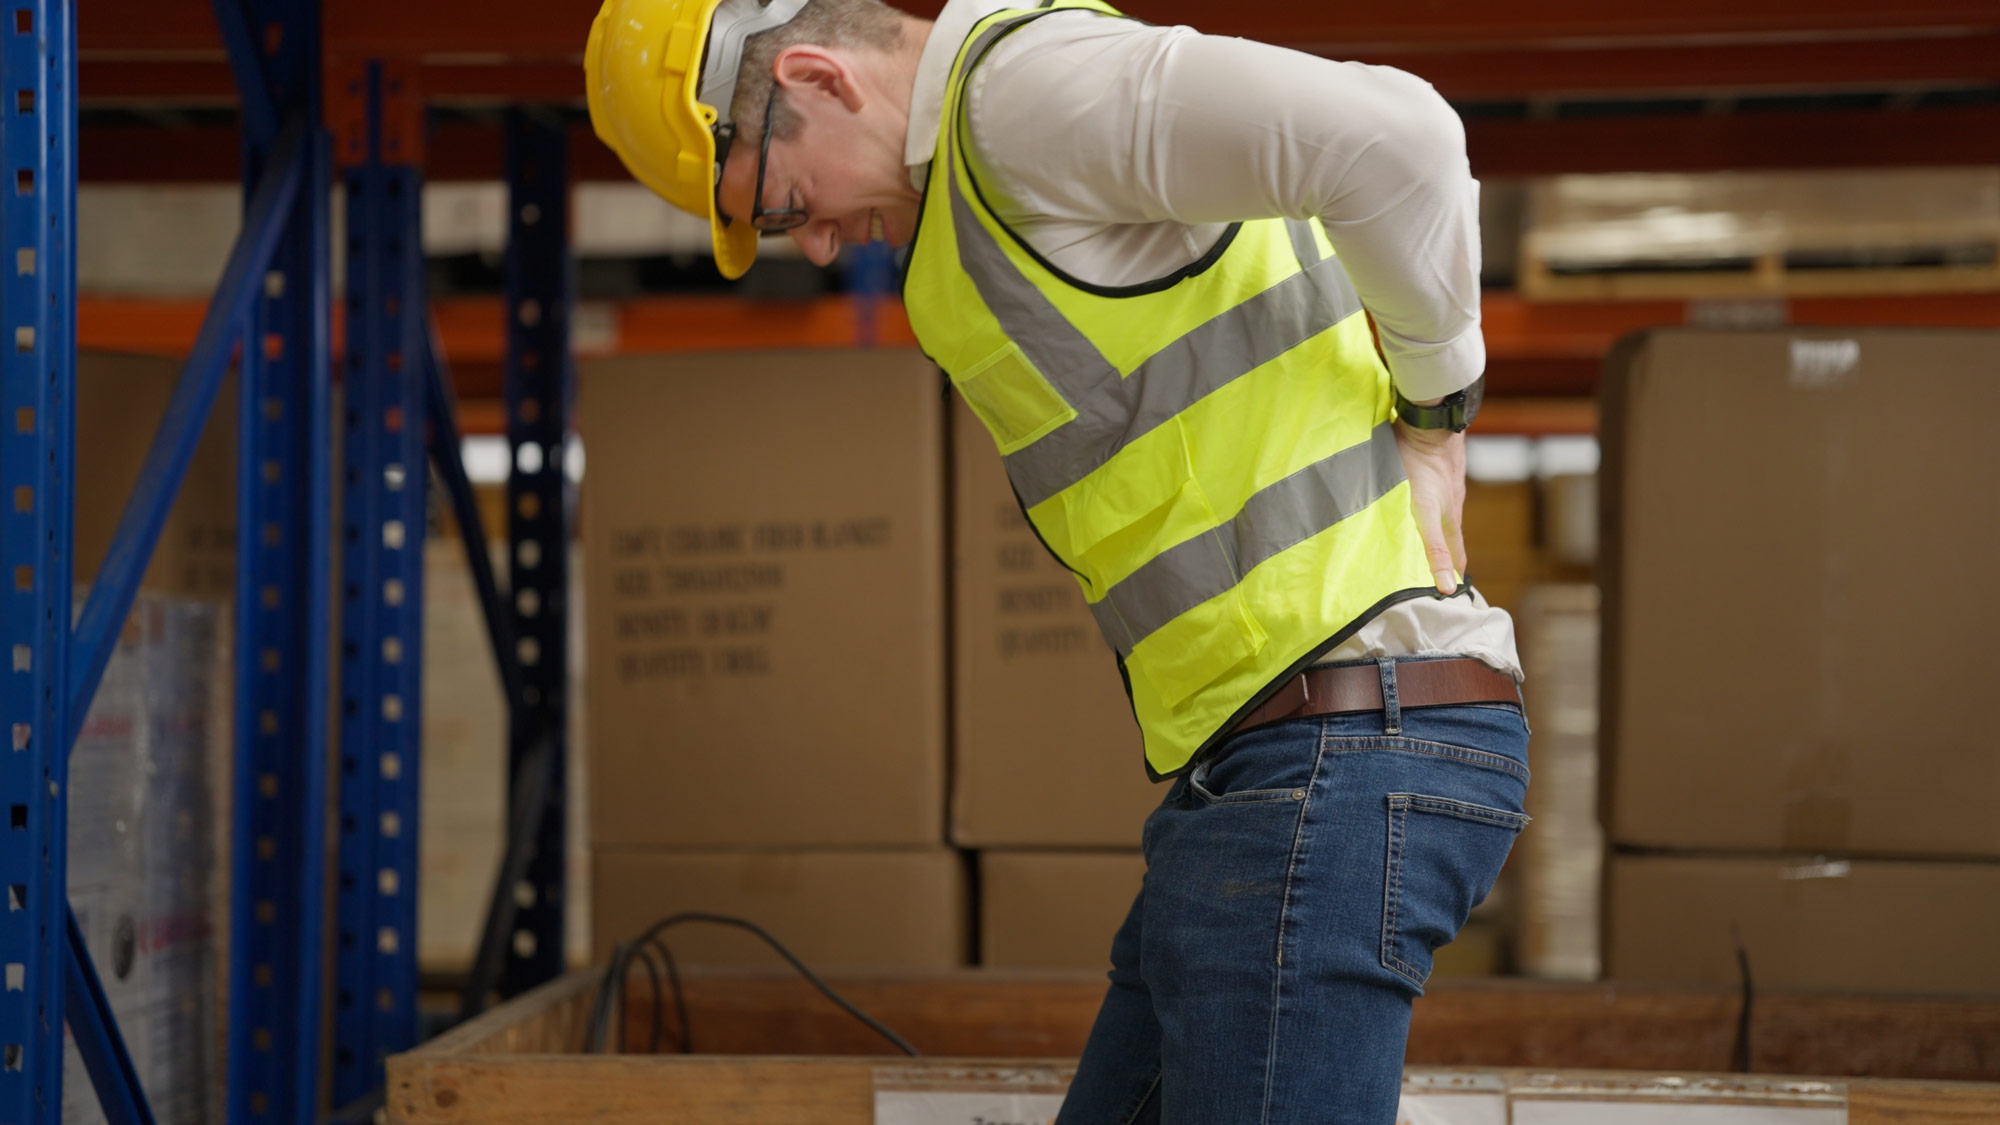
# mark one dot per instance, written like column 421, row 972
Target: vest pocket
column 1443, row 858
column 1014, row 400
column 1119, row 507
column 1205, row 642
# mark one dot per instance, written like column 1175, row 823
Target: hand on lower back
column 1435, row 463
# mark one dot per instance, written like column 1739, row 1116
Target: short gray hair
column 854, row 24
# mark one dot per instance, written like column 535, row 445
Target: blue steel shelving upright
column 284, row 539
column 540, row 385
column 37, row 369
column 271, row 315
column 381, row 596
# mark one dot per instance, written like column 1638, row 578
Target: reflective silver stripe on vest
column 1303, row 243
column 1274, row 520
column 1063, row 355
column 1114, row 411
column 1213, row 355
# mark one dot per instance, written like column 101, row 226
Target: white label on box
column 932, row 1107
column 1824, row 363
column 1691, row 1113
column 969, row 1095
column 1452, row 1109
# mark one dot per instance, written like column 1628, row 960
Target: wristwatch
column 1455, row 413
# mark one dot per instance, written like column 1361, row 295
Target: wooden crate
column 1762, row 234
column 521, row 1064
column 1775, row 272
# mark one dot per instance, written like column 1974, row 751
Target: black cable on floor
column 680, row 996
column 608, row 997
column 621, row 962
column 1742, row 1052
column 659, row 1013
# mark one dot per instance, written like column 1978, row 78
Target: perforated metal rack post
column 382, row 515
column 37, row 381
column 273, row 301
column 283, row 596
column 540, row 386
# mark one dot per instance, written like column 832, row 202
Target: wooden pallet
column 1765, row 275
column 1762, row 234
column 520, row 1064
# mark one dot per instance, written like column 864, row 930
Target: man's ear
column 807, row 70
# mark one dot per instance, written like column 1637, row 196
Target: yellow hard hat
column 660, row 75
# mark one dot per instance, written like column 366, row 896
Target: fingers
column 1454, row 530
column 1437, row 548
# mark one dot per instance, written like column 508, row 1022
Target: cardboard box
column 1569, row 506
column 1045, row 751
column 142, row 864
column 1558, row 863
column 1805, row 923
column 1499, row 527
column 764, row 579
column 838, row 911
column 1054, row 910
column 1796, row 658
column 120, row 400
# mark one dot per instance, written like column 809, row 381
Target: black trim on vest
column 916, row 232
column 1159, row 285
column 1115, row 291
column 1193, row 269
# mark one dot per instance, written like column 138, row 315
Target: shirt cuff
column 1437, row 372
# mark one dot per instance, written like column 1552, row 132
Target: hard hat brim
column 673, row 153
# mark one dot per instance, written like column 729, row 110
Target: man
column 1141, row 254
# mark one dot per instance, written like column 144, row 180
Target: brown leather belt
column 1349, row 688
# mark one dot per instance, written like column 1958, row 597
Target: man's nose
column 816, row 241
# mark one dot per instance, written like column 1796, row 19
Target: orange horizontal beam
column 1529, row 331
column 1534, row 350
column 473, row 329
column 1537, row 417
column 557, row 28
column 1523, row 417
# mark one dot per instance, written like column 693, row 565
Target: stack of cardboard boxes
column 764, row 544
column 1558, row 862
column 1048, row 777
column 1797, row 650
column 838, row 687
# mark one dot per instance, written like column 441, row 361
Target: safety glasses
column 773, row 221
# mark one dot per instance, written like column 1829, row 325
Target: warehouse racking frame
column 272, row 315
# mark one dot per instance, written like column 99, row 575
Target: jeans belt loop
column 1392, row 707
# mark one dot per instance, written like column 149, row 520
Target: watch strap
column 1454, row 413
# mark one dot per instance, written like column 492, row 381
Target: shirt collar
column 948, row 34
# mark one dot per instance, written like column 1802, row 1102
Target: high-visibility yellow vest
column 1210, row 453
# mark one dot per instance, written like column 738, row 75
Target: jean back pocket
column 1443, row 858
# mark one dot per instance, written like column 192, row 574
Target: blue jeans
column 1297, row 881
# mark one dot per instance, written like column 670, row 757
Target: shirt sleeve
column 1111, row 121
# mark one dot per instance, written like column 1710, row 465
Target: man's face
column 843, row 168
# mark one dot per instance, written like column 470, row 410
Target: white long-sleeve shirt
column 1122, row 151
